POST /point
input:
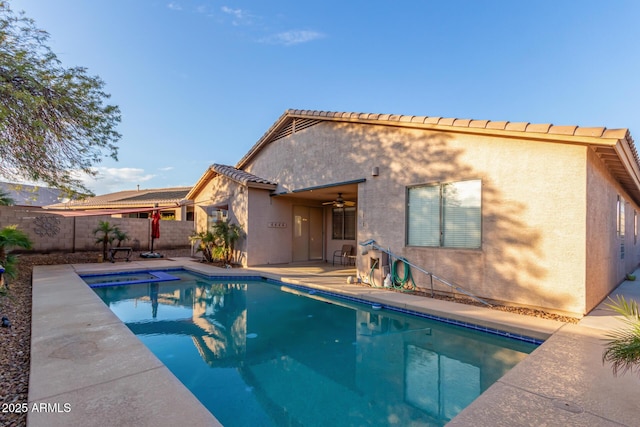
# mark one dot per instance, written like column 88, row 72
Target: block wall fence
column 55, row 233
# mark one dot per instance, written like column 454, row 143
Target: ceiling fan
column 339, row 202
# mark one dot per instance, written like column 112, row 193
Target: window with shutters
column 445, row 215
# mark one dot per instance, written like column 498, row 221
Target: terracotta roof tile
column 432, row 120
column 517, row 126
column 478, row 124
column 562, row 130
column 462, row 122
column 594, row 131
column 447, row 122
column 615, row 133
column 239, row 175
column 497, row 125
column 539, row 127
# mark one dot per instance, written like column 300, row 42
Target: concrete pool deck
column 83, row 356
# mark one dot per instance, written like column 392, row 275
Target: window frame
column 442, row 222
column 342, row 235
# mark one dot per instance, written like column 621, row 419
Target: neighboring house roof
column 164, row 197
column 614, row 146
column 32, row 195
column 237, row 175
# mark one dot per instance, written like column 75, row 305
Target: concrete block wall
column 55, row 233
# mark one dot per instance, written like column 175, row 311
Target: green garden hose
column 401, row 282
column 371, row 279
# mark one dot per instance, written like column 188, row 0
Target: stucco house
column 532, row 214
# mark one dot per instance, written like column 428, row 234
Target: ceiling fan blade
column 327, row 203
column 349, row 203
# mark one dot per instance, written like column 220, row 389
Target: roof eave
column 202, row 182
column 261, row 186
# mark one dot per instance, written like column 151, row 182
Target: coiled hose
column 372, row 281
column 402, row 282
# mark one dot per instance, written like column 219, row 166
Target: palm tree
column 11, row 237
column 104, row 235
column 5, row 199
column 119, row 236
column 218, row 243
column 226, row 235
column 206, row 244
column 623, row 350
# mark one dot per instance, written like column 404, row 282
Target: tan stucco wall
column 218, row 190
column 50, row 232
column 269, row 231
column 606, row 267
column 533, row 202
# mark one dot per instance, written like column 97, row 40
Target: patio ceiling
column 325, row 193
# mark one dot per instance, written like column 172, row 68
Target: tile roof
column 240, row 176
column 465, row 123
column 615, row 147
column 235, row 174
column 283, row 127
column 129, row 198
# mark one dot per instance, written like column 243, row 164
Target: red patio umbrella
column 155, row 227
column 155, row 234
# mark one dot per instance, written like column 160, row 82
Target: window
column 620, row 223
column 168, row 215
column 215, row 216
column 445, row 215
column 344, row 223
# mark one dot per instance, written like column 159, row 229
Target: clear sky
column 200, row 81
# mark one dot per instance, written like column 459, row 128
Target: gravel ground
column 15, row 341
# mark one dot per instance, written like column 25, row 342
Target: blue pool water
column 97, row 280
column 259, row 354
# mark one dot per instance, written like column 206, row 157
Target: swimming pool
column 127, row 278
column 257, row 353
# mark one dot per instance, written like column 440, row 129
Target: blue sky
column 199, row 82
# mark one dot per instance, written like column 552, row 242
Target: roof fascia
column 202, row 182
column 627, row 158
column 261, row 186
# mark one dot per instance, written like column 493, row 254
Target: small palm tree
column 226, row 235
column 119, row 236
column 11, row 237
column 623, row 350
column 104, row 235
column 5, row 199
column 206, row 244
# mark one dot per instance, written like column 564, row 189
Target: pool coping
column 83, row 355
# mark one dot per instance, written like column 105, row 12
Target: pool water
column 259, row 354
column 97, row 280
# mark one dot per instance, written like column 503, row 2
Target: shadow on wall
column 507, row 268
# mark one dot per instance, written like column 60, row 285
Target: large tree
column 54, row 121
